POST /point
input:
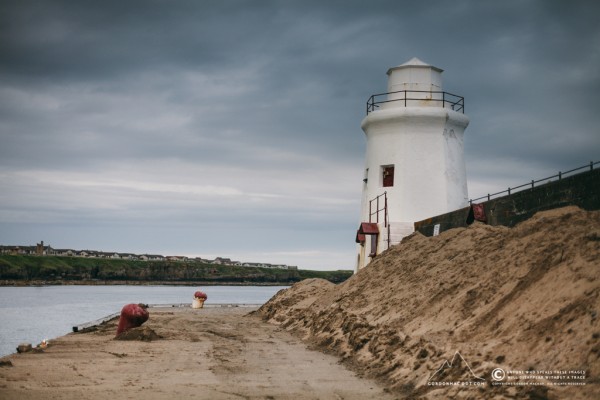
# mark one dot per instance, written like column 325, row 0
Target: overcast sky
column 232, row 128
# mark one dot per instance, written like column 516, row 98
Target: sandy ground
column 520, row 299
column 212, row 353
column 426, row 318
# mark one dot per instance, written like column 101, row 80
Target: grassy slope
column 50, row 268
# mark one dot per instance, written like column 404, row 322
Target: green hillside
column 16, row 269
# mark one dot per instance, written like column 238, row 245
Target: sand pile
column 142, row 333
column 475, row 299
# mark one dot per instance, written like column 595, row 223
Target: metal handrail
column 378, row 209
column 455, row 102
column 531, row 184
column 386, row 221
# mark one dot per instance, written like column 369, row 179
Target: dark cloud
column 244, row 116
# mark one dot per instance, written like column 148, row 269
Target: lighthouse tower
column 415, row 166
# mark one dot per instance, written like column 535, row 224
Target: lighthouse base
column 372, row 244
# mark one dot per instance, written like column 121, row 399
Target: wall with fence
column 581, row 189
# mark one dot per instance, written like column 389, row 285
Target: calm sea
column 31, row 314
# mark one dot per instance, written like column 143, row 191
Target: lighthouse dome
column 414, row 75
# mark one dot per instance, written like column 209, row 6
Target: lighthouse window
column 387, row 175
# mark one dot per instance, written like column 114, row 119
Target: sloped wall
column 582, row 190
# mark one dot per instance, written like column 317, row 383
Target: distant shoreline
column 28, row 283
column 18, row 270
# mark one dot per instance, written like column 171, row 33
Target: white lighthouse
column 415, row 166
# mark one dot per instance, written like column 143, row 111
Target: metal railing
column 531, row 185
column 378, row 209
column 411, row 97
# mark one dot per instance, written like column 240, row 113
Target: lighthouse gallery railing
column 408, row 98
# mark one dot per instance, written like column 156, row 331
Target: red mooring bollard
column 132, row 316
column 199, row 299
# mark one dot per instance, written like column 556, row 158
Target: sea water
column 31, row 314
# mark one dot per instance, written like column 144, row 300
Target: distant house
column 256, row 265
column 41, row 250
column 151, row 257
column 267, row 265
column 29, row 250
column 87, row 254
column 177, row 258
column 15, row 250
column 222, row 261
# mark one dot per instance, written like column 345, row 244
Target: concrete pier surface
column 182, row 353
